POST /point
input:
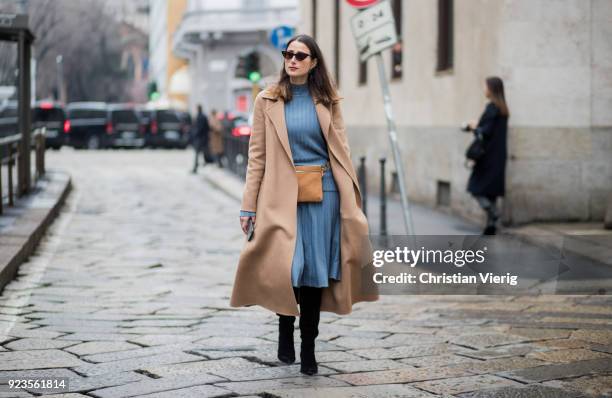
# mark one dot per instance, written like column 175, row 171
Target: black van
column 87, row 125
column 166, row 130
column 52, row 116
column 124, row 127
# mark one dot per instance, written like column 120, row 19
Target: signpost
column 374, row 30
column 280, row 35
column 362, row 3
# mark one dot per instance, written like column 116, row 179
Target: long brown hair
column 320, row 84
column 496, row 88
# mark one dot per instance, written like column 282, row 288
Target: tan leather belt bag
column 310, row 182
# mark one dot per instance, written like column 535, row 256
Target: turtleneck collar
column 299, row 89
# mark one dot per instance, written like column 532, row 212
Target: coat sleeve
column 487, row 121
column 257, row 157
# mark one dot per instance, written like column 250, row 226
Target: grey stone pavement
column 128, row 295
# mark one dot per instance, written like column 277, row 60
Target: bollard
column 10, row 175
column 1, row 197
column 383, row 199
column 363, row 185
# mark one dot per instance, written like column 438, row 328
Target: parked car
column 51, row 115
column 87, row 125
column 123, row 127
column 165, row 130
column 241, row 127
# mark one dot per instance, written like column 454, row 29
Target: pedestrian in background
column 488, row 178
column 216, row 137
column 301, row 252
column 201, row 138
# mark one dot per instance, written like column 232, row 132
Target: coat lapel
column 324, row 116
column 276, row 111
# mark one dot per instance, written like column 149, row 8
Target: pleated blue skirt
column 317, row 248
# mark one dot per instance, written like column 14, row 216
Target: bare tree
column 84, row 35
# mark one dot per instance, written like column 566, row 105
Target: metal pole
column 23, row 161
column 383, row 199
column 393, row 140
column 1, row 197
column 61, row 93
column 363, row 183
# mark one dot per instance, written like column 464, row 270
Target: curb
column 572, row 241
column 224, row 181
column 19, row 241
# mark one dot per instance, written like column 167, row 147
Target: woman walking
column 302, row 252
column 488, row 178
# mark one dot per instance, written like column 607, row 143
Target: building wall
column 214, row 33
column 158, row 42
column 165, row 17
column 176, row 8
column 555, row 61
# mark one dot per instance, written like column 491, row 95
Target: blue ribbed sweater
column 306, row 139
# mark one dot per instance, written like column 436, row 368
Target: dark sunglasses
column 300, row 56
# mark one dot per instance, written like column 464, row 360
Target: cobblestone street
column 128, row 295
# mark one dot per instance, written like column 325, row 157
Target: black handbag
column 476, row 150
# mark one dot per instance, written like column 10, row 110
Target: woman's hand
column 472, row 124
column 244, row 223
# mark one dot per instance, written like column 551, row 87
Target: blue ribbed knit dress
column 317, row 250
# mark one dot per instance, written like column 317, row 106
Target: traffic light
column 248, row 67
column 152, row 92
column 252, row 66
column 241, row 71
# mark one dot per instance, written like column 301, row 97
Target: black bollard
column 363, row 185
column 383, row 199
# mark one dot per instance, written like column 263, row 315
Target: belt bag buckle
column 310, row 183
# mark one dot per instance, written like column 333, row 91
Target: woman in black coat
column 488, row 180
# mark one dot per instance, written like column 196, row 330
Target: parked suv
column 165, row 129
column 124, row 127
column 52, row 116
column 87, row 125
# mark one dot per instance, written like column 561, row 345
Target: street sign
column 15, row 21
column 280, row 36
column 374, row 30
column 361, row 3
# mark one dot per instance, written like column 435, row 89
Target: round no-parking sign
column 361, row 3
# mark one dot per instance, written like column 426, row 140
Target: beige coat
column 263, row 276
column 216, row 136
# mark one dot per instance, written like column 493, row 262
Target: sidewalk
column 590, row 240
column 23, row 225
column 426, row 221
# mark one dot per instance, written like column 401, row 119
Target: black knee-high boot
column 310, row 311
column 286, row 349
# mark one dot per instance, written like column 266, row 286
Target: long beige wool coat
column 263, row 276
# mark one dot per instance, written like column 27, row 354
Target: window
column 363, row 71
column 124, row 116
column 396, row 51
column 314, row 19
column 443, row 193
column 337, row 42
column 445, row 35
